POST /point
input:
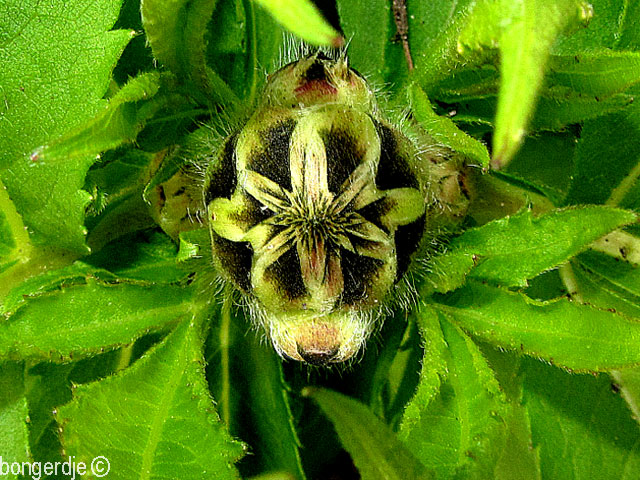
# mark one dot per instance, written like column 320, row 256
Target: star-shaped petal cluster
column 318, row 225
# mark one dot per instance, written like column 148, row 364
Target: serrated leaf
column 444, row 131
column 513, row 249
column 119, row 122
column 580, row 427
column 616, row 138
column 88, row 318
column 524, row 32
column 170, row 428
column 302, row 18
column 49, row 386
column 375, row 449
column 568, row 334
column 54, row 72
column 459, row 430
column 14, row 415
column 247, row 382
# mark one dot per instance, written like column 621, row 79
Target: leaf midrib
column 155, row 432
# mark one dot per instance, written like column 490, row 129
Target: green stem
column 224, row 338
column 569, row 280
column 627, row 183
column 124, row 357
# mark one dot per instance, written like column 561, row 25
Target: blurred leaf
column 607, row 163
column 171, row 428
column 252, row 396
column 513, row 249
column 89, row 318
column 524, row 31
column 302, row 18
column 375, row 449
column 14, row 416
column 454, row 424
column 54, row 72
column 580, row 427
column 444, row 131
column 568, row 334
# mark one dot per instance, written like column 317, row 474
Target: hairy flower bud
column 315, row 208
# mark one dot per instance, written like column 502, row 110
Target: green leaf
column 176, row 32
column 302, row 18
column 615, row 138
column 601, row 74
column 444, row 131
column 375, row 449
column 513, row 249
column 13, row 416
column 170, row 428
column 253, row 400
column 524, row 31
column 457, row 428
column 55, row 70
column 580, row 427
column 89, row 318
column 119, row 122
column 568, row 334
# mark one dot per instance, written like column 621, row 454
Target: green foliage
column 110, row 336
